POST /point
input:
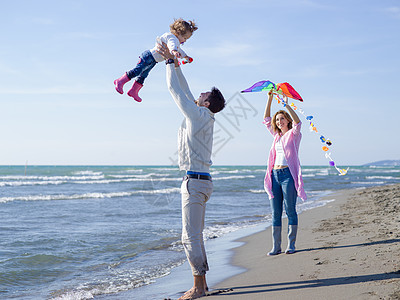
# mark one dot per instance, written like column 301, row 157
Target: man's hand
column 163, row 50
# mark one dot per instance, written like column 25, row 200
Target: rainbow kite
column 287, row 90
column 280, row 88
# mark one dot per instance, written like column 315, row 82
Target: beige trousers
column 195, row 194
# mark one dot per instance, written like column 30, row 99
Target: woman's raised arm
column 292, row 113
column 268, row 106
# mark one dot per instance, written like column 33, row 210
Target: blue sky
column 58, row 60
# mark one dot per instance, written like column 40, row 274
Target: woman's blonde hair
column 287, row 117
column 181, row 27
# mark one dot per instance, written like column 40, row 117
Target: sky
column 58, row 61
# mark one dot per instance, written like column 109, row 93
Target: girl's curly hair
column 181, row 26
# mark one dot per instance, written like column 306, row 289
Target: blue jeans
column 284, row 192
column 143, row 67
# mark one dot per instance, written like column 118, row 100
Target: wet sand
column 347, row 249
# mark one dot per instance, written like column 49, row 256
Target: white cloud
column 43, row 21
column 55, row 90
column 81, row 36
column 8, row 70
column 315, row 4
column 394, row 10
column 314, row 71
column 229, row 53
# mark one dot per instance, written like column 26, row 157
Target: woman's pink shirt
column 291, row 143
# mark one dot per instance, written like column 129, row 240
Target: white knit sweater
column 195, row 136
column 172, row 44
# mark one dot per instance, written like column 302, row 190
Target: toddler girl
column 180, row 32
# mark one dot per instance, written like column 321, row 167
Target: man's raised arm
column 177, row 84
column 185, row 104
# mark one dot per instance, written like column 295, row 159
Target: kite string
column 314, row 129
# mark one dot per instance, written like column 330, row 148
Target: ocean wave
column 381, row 171
column 382, row 167
column 131, row 171
column 368, row 182
column 150, row 175
column 87, row 172
column 108, row 181
column 217, row 230
column 50, row 178
column 257, row 191
column 21, row 183
column 217, row 172
column 308, row 175
column 313, row 170
column 391, row 171
column 119, row 283
column 146, row 170
column 224, row 172
column 323, row 172
column 234, row 177
column 126, row 176
column 307, row 205
column 72, row 180
column 165, row 169
column 382, row 177
column 375, row 170
column 88, row 195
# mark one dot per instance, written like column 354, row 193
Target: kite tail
column 327, row 142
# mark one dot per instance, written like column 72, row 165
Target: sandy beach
column 347, row 249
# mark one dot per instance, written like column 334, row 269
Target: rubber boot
column 119, row 83
column 276, row 240
column 133, row 92
column 292, row 233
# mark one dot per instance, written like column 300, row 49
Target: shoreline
column 220, row 253
column 347, row 249
column 326, row 265
column 179, row 279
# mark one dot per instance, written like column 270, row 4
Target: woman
column 283, row 181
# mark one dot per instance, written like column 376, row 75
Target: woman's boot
column 292, row 233
column 276, row 240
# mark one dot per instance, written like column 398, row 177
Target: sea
column 113, row 232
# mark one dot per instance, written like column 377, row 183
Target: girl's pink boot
column 119, row 83
column 133, row 92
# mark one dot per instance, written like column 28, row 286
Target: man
column 195, row 139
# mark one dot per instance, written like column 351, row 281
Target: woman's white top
column 280, row 159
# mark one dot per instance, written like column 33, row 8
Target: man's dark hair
column 216, row 99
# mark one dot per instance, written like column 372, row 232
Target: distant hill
column 384, row 163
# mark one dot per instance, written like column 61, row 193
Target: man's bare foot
column 193, row 293
column 205, row 283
